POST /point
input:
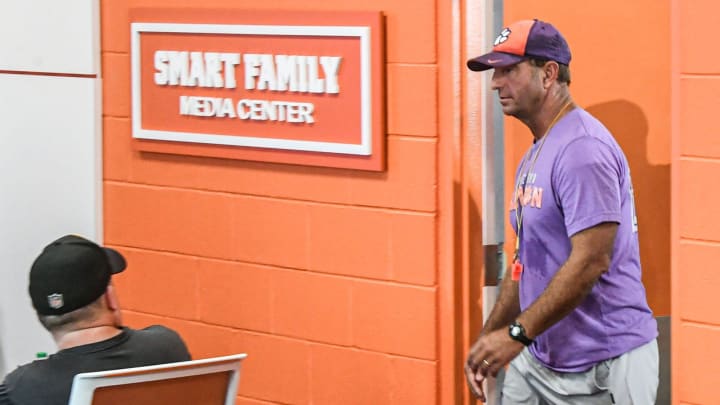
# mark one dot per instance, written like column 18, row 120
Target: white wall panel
column 49, row 186
column 49, row 36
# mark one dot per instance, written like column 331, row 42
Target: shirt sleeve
column 587, row 184
column 4, row 399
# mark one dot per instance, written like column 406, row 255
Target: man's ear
column 111, row 298
column 113, row 304
column 551, row 69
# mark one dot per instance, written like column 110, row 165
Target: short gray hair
column 563, row 71
column 56, row 323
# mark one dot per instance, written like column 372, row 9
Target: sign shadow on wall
column 651, row 182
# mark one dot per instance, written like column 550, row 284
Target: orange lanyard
column 517, row 267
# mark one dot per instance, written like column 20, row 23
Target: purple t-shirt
column 581, row 179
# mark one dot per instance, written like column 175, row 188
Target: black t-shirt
column 48, row 381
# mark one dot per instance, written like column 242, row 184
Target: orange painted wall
column 347, row 286
column 695, row 219
column 621, row 74
column 328, row 278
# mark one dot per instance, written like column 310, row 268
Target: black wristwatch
column 517, row 332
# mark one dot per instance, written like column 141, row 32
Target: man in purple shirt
column 572, row 318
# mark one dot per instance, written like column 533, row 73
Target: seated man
column 73, row 295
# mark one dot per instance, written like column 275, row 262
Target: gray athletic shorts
column 630, row 379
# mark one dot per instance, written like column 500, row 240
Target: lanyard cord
column 518, row 210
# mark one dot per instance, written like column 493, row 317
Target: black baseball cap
column 70, row 273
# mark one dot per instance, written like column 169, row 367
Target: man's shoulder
column 20, row 383
column 583, row 123
column 21, row 372
column 4, row 398
column 155, row 331
column 158, row 337
column 584, row 135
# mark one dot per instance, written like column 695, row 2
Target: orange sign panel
column 272, row 88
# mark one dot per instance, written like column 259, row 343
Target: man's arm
column 589, row 259
column 506, row 308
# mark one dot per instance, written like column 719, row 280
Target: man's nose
column 495, row 81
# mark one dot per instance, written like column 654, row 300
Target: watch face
column 515, row 330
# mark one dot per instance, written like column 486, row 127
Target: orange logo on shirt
column 530, row 195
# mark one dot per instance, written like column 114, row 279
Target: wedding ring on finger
column 486, row 363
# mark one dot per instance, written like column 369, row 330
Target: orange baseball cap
column 521, row 40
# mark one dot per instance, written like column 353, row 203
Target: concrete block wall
column 326, row 277
column 696, row 240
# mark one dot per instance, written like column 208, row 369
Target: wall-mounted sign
column 293, row 87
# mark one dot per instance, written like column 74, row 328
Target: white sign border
column 363, row 33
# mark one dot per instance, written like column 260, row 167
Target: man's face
column 519, row 88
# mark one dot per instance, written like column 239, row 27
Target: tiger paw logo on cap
column 502, row 37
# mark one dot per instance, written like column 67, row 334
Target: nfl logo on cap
column 55, row 301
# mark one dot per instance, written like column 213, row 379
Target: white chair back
column 212, row 381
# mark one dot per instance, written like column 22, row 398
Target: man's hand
column 474, row 381
column 487, row 356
